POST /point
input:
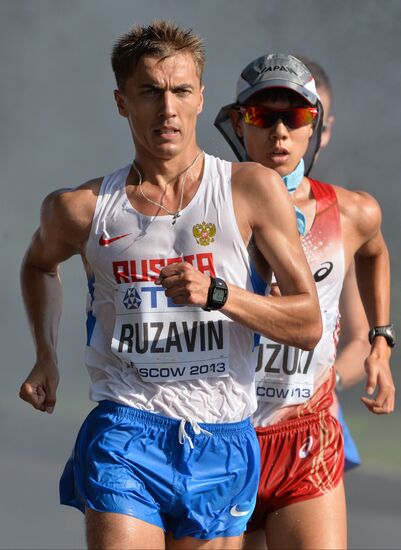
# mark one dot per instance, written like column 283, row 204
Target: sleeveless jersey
column 142, row 349
column 290, row 382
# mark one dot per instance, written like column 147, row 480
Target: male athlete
column 353, row 345
column 168, row 457
column 276, row 120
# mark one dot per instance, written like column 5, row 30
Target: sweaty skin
column 161, row 102
column 279, row 147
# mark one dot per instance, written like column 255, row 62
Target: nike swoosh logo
column 106, row 242
column 236, row 513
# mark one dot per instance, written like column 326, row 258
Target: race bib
column 164, row 341
column 284, row 374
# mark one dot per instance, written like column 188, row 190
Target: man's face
column 328, row 119
column 278, row 147
column 162, row 100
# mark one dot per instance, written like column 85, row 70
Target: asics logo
column 324, row 271
column 238, row 513
column 306, row 447
column 106, row 242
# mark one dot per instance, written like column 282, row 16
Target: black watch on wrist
column 217, row 295
column 387, row 331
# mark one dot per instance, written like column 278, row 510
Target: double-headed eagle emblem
column 204, row 233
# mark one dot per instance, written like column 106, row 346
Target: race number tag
column 287, row 375
column 164, row 341
column 284, row 374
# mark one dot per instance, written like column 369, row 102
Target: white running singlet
column 142, row 349
column 291, row 382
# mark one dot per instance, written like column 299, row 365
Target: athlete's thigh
column 255, row 540
column 121, row 532
column 316, row 524
column 190, row 543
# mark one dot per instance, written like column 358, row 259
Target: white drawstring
column 182, row 434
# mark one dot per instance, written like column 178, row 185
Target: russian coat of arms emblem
column 204, row 233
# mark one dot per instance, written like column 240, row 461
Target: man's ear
column 326, row 134
column 236, row 121
column 120, row 102
column 200, row 106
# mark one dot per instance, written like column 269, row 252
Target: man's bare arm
column 294, row 317
column 373, row 272
column 372, row 267
column 65, row 223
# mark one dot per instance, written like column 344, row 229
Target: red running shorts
column 300, row 459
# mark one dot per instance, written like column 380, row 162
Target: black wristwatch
column 387, row 331
column 217, row 295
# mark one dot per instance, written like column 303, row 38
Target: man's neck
column 304, row 200
column 303, row 193
column 164, row 171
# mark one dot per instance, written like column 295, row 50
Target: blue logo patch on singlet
column 132, row 300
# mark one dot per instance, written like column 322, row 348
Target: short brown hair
column 160, row 39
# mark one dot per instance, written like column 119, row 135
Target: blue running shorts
column 351, row 454
column 196, row 480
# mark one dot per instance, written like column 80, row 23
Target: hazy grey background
column 59, row 127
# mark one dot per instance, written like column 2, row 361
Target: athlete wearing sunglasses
column 277, row 121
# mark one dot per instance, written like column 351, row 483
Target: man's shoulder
column 351, row 201
column 254, row 176
column 251, row 167
column 260, row 195
column 359, row 207
column 71, row 197
column 71, row 207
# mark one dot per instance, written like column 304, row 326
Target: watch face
column 219, row 294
